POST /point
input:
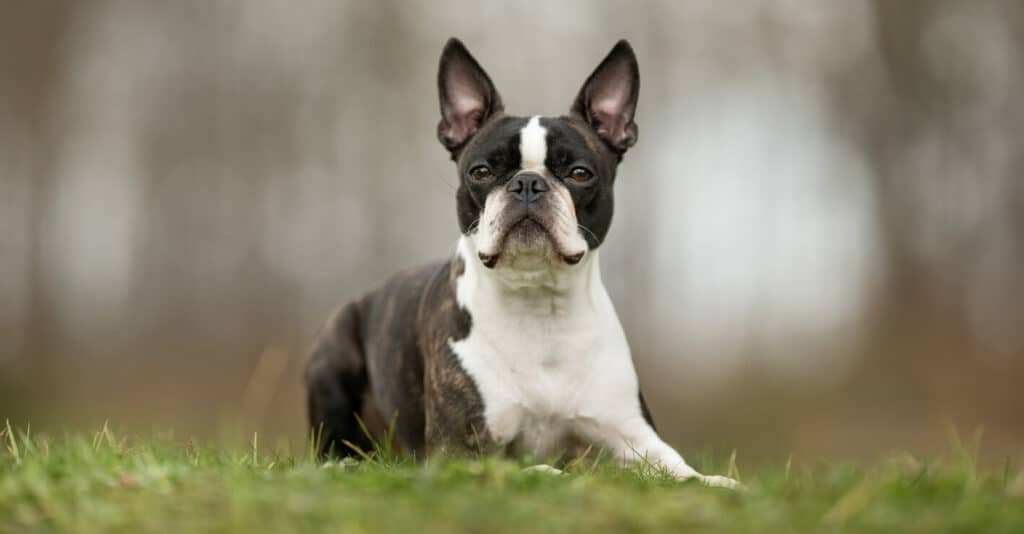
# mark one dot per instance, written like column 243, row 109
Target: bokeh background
column 818, row 247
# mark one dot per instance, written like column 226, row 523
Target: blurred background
column 818, row 246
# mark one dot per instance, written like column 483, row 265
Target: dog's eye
column 581, row 174
column 481, row 173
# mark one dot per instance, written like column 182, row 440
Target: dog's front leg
column 453, row 412
column 632, row 440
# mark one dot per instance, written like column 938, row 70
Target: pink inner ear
column 608, row 112
column 608, row 98
column 467, row 109
column 611, row 101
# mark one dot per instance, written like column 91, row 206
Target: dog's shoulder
column 398, row 306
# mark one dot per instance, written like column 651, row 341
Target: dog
column 512, row 343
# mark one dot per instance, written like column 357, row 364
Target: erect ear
column 468, row 97
column 608, row 98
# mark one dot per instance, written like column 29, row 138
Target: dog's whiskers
column 587, row 230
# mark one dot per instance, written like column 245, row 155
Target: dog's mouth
column 528, row 231
column 528, row 235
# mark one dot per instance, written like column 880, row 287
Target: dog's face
column 536, row 190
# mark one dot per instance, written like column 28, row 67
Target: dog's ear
column 608, row 98
column 468, row 98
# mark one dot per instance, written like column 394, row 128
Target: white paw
column 543, row 468
column 716, row 481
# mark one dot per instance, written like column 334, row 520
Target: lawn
column 105, row 482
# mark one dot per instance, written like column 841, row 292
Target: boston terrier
column 513, row 342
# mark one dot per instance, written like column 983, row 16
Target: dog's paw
column 543, row 468
column 717, row 481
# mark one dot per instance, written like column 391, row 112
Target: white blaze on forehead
column 533, row 145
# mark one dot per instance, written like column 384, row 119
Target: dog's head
column 536, row 189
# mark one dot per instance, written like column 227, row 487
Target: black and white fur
column 514, row 341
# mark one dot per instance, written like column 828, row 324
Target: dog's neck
column 534, row 285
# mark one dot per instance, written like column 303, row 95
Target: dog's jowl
column 513, row 343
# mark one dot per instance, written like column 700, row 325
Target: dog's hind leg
column 336, row 380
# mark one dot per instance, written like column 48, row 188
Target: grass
column 104, row 482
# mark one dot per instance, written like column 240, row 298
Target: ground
column 103, row 482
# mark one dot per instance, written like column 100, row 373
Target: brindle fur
column 392, row 346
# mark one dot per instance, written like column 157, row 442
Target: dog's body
column 513, row 341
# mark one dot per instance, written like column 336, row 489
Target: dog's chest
column 532, row 376
column 541, row 367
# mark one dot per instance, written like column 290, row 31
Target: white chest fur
column 546, row 358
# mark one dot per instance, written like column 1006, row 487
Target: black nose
column 527, row 186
